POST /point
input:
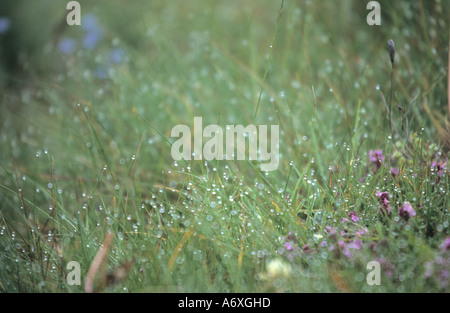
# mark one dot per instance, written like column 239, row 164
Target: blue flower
column 94, row 33
column 67, row 45
column 101, row 73
column 91, row 39
column 90, row 23
column 5, row 24
column 116, row 55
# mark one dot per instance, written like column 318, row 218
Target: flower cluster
column 93, row 31
column 348, row 239
column 438, row 167
column 291, row 249
column 385, row 206
column 93, row 34
column 353, row 216
column 376, row 158
column 406, row 211
column 343, row 241
column 394, row 172
column 439, row 268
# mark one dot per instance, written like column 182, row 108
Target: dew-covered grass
column 86, row 117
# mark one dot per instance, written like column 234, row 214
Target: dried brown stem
column 98, row 262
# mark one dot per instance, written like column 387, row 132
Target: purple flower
column 306, row 248
column 428, row 269
column 439, row 167
column 5, row 24
column 437, row 270
column 353, row 216
column 406, row 211
column 331, row 231
column 376, row 157
column 344, row 248
column 67, row 46
column 394, row 172
column 356, row 244
column 445, row 246
column 383, row 198
column 288, row 246
column 361, row 232
column 387, row 266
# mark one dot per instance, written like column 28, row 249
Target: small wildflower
column 331, row 231
column 353, row 216
column 90, row 22
column 306, row 248
column 5, row 24
column 356, row 244
column 387, row 266
column 394, row 172
column 117, row 55
column 406, row 211
column 67, row 46
column 91, row 40
column 439, row 167
column 288, row 246
column 317, row 237
column 428, row 269
column 383, row 198
column 376, row 157
column 344, row 248
column 445, row 246
column 361, row 232
column 94, row 33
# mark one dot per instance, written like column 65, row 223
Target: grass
column 86, row 147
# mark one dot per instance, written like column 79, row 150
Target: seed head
column 391, row 50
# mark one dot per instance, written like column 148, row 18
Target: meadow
column 87, row 175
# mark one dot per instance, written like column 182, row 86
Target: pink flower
column 406, row 211
column 288, row 246
column 383, row 198
column 445, row 246
column 353, row 216
column 356, row 244
column 376, row 157
column 394, row 172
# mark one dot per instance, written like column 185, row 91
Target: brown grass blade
column 98, row 262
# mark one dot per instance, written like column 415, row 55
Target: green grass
column 83, row 154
